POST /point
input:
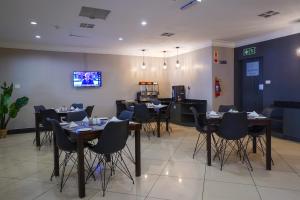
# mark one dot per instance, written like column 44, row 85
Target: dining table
column 90, row 132
column 259, row 120
column 158, row 110
column 62, row 113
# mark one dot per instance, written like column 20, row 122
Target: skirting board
column 21, row 130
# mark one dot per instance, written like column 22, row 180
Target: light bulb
column 143, row 66
column 177, row 64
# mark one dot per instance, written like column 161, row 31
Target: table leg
column 80, row 168
column 158, row 124
column 208, row 148
column 268, row 147
column 254, row 144
column 137, row 153
column 37, row 130
column 167, row 125
column 56, row 156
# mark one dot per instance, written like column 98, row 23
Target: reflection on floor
column 169, row 172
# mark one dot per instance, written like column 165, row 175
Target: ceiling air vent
column 86, row 25
column 78, row 36
column 268, row 14
column 167, row 34
column 94, row 13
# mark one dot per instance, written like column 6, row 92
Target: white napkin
column 73, row 124
column 77, row 109
column 72, row 108
column 233, row 111
column 85, row 119
column 212, row 113
column 253, row 114
column 114, row 119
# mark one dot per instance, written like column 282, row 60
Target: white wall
column 195, row 72
column 46, row 78
column 225, row 73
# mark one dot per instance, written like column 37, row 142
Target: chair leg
column 196, row 146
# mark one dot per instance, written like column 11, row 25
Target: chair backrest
column 51, row 114
column 156, row 101
column 226, row 108
column 141, row 113
column 77, row 105
column 113, row 138
column 200, row 119
column 89, row 110
column 126, row 115
column 234, row 125
column 38, row 109
column 62, row 140
column 76, row 116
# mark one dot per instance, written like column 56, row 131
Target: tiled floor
column 168, row 172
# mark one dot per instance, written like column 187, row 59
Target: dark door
column 252, row 85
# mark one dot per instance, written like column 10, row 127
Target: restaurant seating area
column 150, row 100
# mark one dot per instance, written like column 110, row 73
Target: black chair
column 143, row 116
column 77, row 105
column 38, row 109
column 232, row 131
column 46, row 125
column 155, row 101
column 257, row 133
column 111, row 142
column 65, row 145
column 202, row 127
column 165, row 116
column 89, row 110
column 226, row 108
column 126, row 115
column 76, row 116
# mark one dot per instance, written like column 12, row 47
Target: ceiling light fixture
column 120, row 38
column 165, row 63
column 38, row 37
column 33, row 23
column 143, row 23
column 177, row 61
column 143, row 64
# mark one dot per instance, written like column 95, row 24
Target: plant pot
column 3, row 133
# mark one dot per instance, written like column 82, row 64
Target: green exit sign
column 249, row 51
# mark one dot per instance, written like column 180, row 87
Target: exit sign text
column 249, row 51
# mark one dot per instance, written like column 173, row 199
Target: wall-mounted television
column 87, row 79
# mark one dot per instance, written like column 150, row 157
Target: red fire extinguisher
column 217, row 88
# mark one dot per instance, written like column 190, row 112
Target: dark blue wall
column 281, row 65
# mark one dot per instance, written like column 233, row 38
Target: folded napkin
column 253, row 114
column 212, row 113
column 72, row 108
column 233, row 111
column 77, row 109
column 114, row 119
column 73, row 125
column 85, row 119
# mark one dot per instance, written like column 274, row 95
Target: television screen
column 87, row 79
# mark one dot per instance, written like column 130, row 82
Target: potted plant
column 9, row 110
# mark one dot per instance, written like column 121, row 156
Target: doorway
column 252, row 86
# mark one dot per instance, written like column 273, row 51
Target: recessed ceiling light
column 38, row 37
column 143, row 23
column 121, row 39
column 33, row 23
column 199, row 0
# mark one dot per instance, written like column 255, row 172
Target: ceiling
column 211, row 20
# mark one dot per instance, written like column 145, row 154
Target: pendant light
column 165, row 63
column 143, row 66
column 177, row 61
